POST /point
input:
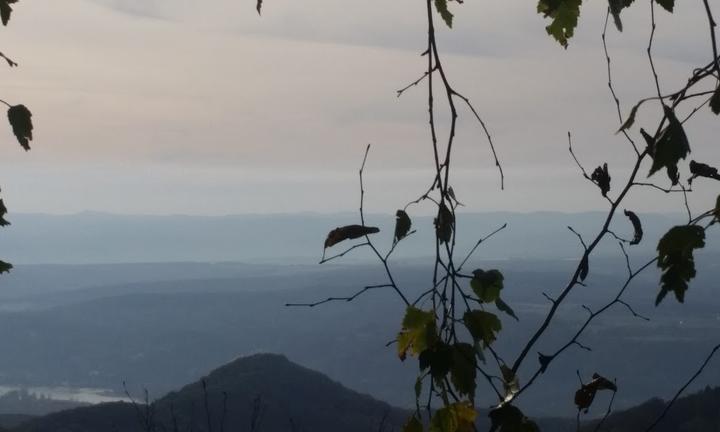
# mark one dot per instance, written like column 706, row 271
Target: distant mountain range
column 268, row 393
column 87, row 238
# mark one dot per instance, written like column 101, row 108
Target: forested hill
column 699, row 412
column 278, row 394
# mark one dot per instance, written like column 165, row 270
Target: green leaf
column 508, row 418
column 715, row 101
column 668, row 5
column 616, row 6
column 487, row 284
column 413, row 425
column 444, row 224
column 670, row 147
column 456, row 417
column 418, row 332
column 5, row 267
column 447, row 16
column 675, row 258
column 504, row 307
column 402, row 225
column 21, row 121
column 463, row 370
column 564, row 15
column 483, row 326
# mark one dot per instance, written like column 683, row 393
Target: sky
column 206, row 108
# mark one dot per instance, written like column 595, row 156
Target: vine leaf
column 675, row 258
column 418, row 332
column 348, row 232
column 21, row 121
column 637, row 227
column 668, row 5
column 699, row 169
column 483, row 326
column 464, row 369
column 413, row 425
column 586, row 394
column 456, row 417
column 402, row 225
column 508, row 418
column 715, row 101
column 601, row 177
column 444, row 224
column 445, row 14
column 670, row 147
column 564, row 15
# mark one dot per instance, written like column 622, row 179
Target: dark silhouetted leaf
column 444, row 224
column 715, row 101
column 601, row 177
column 616, row 6
column 675, row 258
column 3, row 212
column 717, row 209
column 637, row 227
column 504, row 307
column 348, row 232
column 259, row 7
column 418, row 387
column 483, row 326
column 487, row 285
column 668, row 5
column 438, row 358
column 670, row 147
column 508, row 418
column 418, row 332
column 5, row 267
column 463, row 370
column 402, row 225
column 6, row 10
column 586, row 394
column 21, row 121
column 445, row 14
column 456, row 417
column 650, row 141
column 630, row 120
column 564, row 15
column 451, row 194
column 699, row 169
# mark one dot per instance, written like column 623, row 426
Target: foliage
column 676, row 259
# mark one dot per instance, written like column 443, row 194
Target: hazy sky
column 202, row 107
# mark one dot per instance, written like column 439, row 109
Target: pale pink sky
column 183, row 106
